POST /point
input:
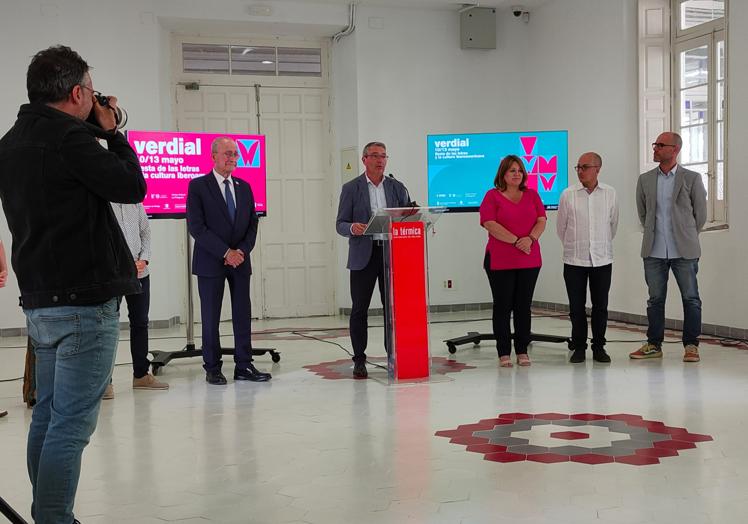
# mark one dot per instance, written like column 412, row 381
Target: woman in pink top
column 514, row 217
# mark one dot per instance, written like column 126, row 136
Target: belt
column 379, row 243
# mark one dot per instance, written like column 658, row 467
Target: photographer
column 70, row 259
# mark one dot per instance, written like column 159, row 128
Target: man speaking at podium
column 221, row 218
column 360, row 199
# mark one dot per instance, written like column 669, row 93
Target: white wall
column 129, row 50
column 582, row 76
column 413, row 79
column 123, row 49
column 572, row 67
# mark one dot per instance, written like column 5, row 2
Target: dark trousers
column 137, row 313
column 512, row 291
column 362, row 288
column 211, row 299
column 576, row 279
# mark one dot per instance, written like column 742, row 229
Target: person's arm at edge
column 641, row 202
column 344, row 219
column 562, row 217
column 540, row 223
column 3, row 266
column 248, row 242
column 145, row 235
column 614, row 216
column 698, row 203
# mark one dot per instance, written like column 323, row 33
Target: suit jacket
column 688, row 212
column 209, row 224
column 355, row 206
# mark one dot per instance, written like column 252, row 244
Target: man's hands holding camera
column 104, row 112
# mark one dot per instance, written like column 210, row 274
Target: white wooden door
column 293, row 258
column 297, row 243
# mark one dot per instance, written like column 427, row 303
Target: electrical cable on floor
column 713, row 339
column 335, row 344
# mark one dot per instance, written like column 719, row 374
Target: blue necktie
column 229, row 200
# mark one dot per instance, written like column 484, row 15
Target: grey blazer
column 355, row 206
column 688, row 211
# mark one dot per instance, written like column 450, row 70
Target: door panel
column 293, row 258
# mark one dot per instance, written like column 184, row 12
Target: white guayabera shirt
column 587, row 223
column 133, row 221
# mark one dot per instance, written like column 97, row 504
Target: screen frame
column 474, row 209
column 181, row 215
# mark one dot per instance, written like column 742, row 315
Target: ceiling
column 226, row 28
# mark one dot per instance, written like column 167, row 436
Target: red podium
column 406, row 309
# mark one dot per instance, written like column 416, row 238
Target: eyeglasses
column 231, row 154
column 584, row 167
column 97, row 94
column 659, row 145
column 377, row 156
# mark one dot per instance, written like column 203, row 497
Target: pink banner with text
column 171, row 159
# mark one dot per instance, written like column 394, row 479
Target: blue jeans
column 75, row 348
column 656, row 272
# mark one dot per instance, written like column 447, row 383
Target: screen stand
column 161, row 358
column 475, row 338
column 10, row 513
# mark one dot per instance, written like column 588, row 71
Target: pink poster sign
column 171, row 159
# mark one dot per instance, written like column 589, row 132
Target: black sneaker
column 600, row 355
column 578, row 356
column 359, row 370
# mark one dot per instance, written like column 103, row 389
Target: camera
column 520, row 11
column 120, row 115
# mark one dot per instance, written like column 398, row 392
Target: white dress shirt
column 586, row 225
column 377, row 197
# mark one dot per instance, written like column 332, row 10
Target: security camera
column 521, row 12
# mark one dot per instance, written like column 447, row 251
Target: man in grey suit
column 671, row 202
column 359, row 201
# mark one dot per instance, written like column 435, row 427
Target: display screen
column 462, row 167
column 169, row 161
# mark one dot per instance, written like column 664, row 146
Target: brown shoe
column 691, row 353
column 108, row 392
column 148, row 381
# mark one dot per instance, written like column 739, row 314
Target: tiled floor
column 304, row 448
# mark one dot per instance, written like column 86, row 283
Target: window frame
column 696, row 30
column 179, row 76
column 709, row 34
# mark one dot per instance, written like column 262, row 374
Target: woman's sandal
column 505, row 362
column 523, row 359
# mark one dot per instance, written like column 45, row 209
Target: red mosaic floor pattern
column 343, row 368
column 500, row 439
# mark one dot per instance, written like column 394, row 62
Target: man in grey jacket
column 359, row 201
column 671, row 202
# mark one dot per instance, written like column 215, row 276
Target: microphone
column 411, row 203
